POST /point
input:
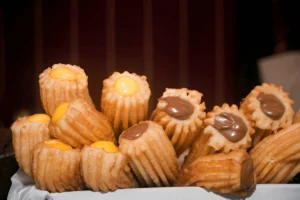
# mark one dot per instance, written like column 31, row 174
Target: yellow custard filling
column 126, row 86
column 63, row 73
column 60, row 111
column 108, row 146
column 38, row 118
column 57, row 144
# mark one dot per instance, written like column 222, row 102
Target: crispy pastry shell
column 181, row 132
column 151, row 157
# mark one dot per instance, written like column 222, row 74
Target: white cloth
column 23, row 189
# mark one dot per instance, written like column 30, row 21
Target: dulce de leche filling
column 178, row 108
column 247, row 175
column 135, row 132
column 271, row 106
column 232, row 127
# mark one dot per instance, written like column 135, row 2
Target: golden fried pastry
column 125, row 100
column 296, row 118
column 276, row 154
column 295, row 170
column 26, row 132
column 223, row 173
column 180, row 113
column 226, row 128
column 281, row 172
column 56, row 167
column 78, row 123
column 104, row 168
column 150, row 153
column 63, row 83
column 270, row 108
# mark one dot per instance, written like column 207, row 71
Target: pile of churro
column 73, row 146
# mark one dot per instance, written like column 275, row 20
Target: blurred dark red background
column 210, row 46
column 174, row 43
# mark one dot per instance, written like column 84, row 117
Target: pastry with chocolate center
column 270, row 108
column 226, row 129
column 181, row 114
column 26, row 132
column 77, row 123
column 124, row 100
column 151, row 154
column 104, row 168
column 231, row 173
column 56, row 167
column 63, row 83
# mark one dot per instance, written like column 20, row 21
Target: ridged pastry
column 226, row 128
column 78, row 123
column 56, row 167
column 150, row 153
column 223, row 173
column 270, row 109
column 26, row 132
column 104, row 168
column 281, row 172
column 275, row 152
column 124, row 100
column 180, row 113
column 63, row 83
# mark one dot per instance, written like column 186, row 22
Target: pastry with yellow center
column 63, row 83
column 125, row 100
column 56, row 167
column 104, row 168
column 78, row 123
column 270, row 108
column 230, row 173
column 26, row 132
column 181, row 115
column 151, row 154
column 276, row 158
column 226, row 129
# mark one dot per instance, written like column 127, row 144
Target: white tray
column 23, row 189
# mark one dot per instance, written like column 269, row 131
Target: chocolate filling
column 135, row 132
column 247, row 175
column 232, row 127
column 271, row 105
column 178, row 108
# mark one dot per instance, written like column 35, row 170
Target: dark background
column 211, row 46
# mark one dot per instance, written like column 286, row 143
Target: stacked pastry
column 75, row 147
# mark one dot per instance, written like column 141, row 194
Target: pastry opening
column 57, row 144
column 38, row 118
column 271, row 106
column 232, row 127
column 63, row 73
column 247, row 175
column 60, row 111
column 135, row 131
column 126, row 86
column 107, row 146
column 178, row 108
